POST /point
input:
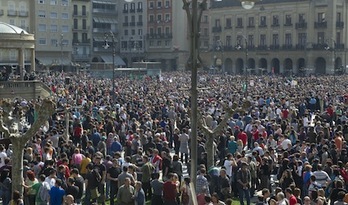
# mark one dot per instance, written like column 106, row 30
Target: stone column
column 21, row 59
column 33, row 64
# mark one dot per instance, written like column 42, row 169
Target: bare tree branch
column 4, row 129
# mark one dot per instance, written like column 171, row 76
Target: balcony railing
column 125, row 11
column 262, row 25
column 132, row 10
column 262, row 47
column 11, row 13
column 274, row 47
column 132, row 23
column 104, row 11
column 288, row 24
column 216, row 29
column 251, row 26
column 228, row 48
column 339, row 24
column 80, row 14
column 320, row 24
column 287, row 47
column 239, row 26
column 104, row 30
column 80, row 28
column 340, row 46
column 318, row 46
column 275, row 25
column 140, row 23
column 81, row 57
column 228, row 27
column 1, row 12
column 160, row 36
column 301, row 25
column 125, row 24
column 23, row 13
column 300, row 47
column 139, row 10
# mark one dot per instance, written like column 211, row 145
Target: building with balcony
column 51, row 24
column 81, row 32
column 105, row 32
column 16, row 13
column 280, row 36
column 132, row 24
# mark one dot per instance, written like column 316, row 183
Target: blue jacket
column 140, row 198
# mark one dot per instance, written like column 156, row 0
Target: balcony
column 262, row 48
column 132, row 11
column 263, row 26
column 318, row 46
column 139, row 10
column 239, row 26
column 132, row 23
column 216, row 29
column 228, row 27
column 287, row 47
column 105, row 11
column 104, row 30
column 140, row 23
column 228, row 48
column 274, row 47
column 320, row 24
column 275, row 25
column 80, row 57
column 160, row 36
column 301, row 25
column 23, row 14
column 125, row 24
column 80, row 28
column 251, row 47
column 288, row 24
column 251, row 26
column 340, row 46
column 11, row 13
column 125, row 11
column 80, row 14
column 1, row 12
column 340, row 24
column 300, row 47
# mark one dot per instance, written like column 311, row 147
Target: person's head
column 69, row 200
column 145, row 158
column 127, row 181
column 215, row 198
column 288, row 192
column 280, row 196
column 340, row 195
column 58, row 183
column 266, row 193
column 138, row 185
column 53, row 173
column 222, row 172
column 307, row 200
column 297, row 192
column 16, row 195
column 31, row 175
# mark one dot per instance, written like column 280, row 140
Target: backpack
column 97, row 175
column 44, row 192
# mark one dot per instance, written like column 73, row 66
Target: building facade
column 132, row 31
column 16, row 13
column 81, row 32
column 279, row 36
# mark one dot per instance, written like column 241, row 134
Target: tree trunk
column 210, row 150
column 17, row 168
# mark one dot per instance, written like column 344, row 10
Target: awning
column 104, row 2
column 53, row 61
column 104, row 20
column 108, row 59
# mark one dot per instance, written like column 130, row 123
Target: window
column 84, row 24
column 132, row 6
column 75, row 10
column 140, row 32
column 84, row 36
column 251, row 22
column 151, row 5
column 126, row 19
column 41, row 1
column 65, row 28
column 54, row 42
column 65, row 16
column 152, row 18
column 140, row 5
column 84, row 11
column 159, row 43
column 167, row 30
column 152, row 31
column 13, row 55
column 275, row 39
column 42, row 27
column 140, row 18
column 288, row 40
column 321, row 17
column 205, row 19
column 12, row 22
column 42, row 41
column 159, row 18
column 53, row 15
column 159, row 30
column 65, row 2
column 23, row 24
column 126, row 32
column 54, row 2
column 125, row 7
column 275, row 20
column 206, row 32
column 167, row 43
column 151, row 43
column 159, row 4
column 132, row 18
column 302, row 39
column 263, row 40
column 301, row 18
column 75, row 37
column 228, row 40
column 167, row 17
column 42, row 14
column 217, row 23
column 133, row 32
column 288, row 19
column 239, row 22
column 339, row 17
column 76, row 23
column 65, row 42
column 338, row 38
column 228, row 23
column 321, row 38
column 54, row 28
column 263, row 21
column 167, row 4
column 251, row 40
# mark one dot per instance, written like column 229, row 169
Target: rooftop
column 10, row 29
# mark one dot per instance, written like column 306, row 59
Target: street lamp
column 239, row 47
column 106, row 46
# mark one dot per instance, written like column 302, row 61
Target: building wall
column 293, row 32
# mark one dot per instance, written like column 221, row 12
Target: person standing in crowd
column 139, row 195
column 113, row 173
column 157, row 187
column 57, row 193
column 147, row 169
column 125, row 194
column 244, row 180
column 170, row 191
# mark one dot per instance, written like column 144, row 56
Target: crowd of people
column 130, row 146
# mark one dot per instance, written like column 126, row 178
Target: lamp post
column 333, row 49
column 61, row 51
column 106, row 46
column 219, row 46
column 239, row 47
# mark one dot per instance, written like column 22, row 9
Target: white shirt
column 228, row 167
column 286, row 144
column 3, row 156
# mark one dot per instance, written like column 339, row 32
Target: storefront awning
column 104, row 20
column 108, row 59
